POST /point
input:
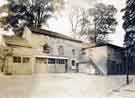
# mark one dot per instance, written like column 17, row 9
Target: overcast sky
column 62, row 25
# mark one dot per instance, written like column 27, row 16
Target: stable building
column 62, row 52
column 18, row 55
column 103, row 59
column 41, row 51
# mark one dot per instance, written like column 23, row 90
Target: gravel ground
column 65, row 86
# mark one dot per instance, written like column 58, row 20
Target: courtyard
column 68, row 85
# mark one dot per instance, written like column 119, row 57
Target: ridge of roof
column 110, row 44
column 53, row 34
column 103, row 44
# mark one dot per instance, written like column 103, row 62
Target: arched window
column 46, row 48
column 61, row 50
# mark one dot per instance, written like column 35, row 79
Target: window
column 73, row 52
column 41, row 60
column 56, row 61
column 17, row 59
column 51, row 61
column 46, row 48
column 61, row 50
column 73, row 62
column 26, row 60
column 60, row 61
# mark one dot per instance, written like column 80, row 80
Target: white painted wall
column 99, row 56
column 38, row 40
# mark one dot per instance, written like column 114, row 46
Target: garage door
column 41, row 65
column 56, row 65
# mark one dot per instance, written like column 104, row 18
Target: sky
column 2, row 2
column 61, row 23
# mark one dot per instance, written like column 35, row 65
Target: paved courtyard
column 65, row 86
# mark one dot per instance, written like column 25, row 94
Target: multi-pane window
column 41, row 60
column 17, row 59
column 56, row 61
column 51, row 61
column 60, row 61
column 26, row 60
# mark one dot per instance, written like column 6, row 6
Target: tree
column 5, row 52
column 80, row 21
column 129, row 22
column 104, row 20
column 129, row 40
column 3, row 18
column 34, row 12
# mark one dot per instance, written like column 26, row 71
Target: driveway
column 68, row 85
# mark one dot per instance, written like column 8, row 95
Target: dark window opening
column 46, row 48
column 17, row 59
column 51, row 61
column 73, row 62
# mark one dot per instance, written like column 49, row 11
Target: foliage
column 28, row 13
column 31, row 11
column 129, row 41
column 129, row 22
column 105, row 22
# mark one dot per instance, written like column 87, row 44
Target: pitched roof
column 54, row 34
column 109, row 44
column 105, row 44
column 16, row 41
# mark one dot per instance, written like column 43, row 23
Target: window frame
column 25, row 60
column 61, row 50
column 17, row 59
column 51, row 61
column 41, row 60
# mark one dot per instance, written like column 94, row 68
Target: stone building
column 44, row 51
column 105, row 59
column 130, row 59
column 41, row 51
column 20, row 59
column 62, row 52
